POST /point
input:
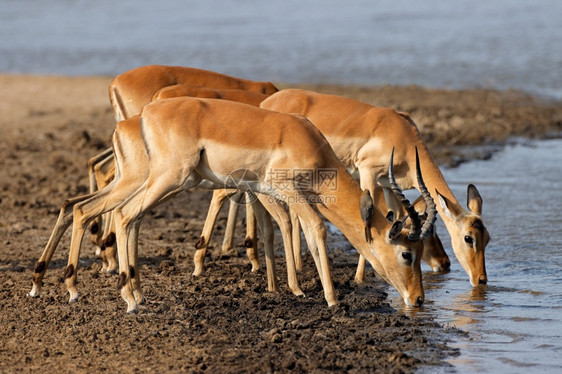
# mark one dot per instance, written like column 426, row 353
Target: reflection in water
column 467, row 306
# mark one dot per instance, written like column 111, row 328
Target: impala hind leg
column 63, row 222
column 156, row 190
column 98, row 180
column 83, row 213
column 217, row 201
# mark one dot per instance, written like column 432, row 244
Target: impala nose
column 483, row 279
column 419, row 301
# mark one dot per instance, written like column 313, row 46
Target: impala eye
column 468, row 239
column 407, row 256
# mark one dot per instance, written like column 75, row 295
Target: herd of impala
column 295, row 154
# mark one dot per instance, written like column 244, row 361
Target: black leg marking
column 110, row 240
column 122, row 279
column 69, row 271
column 248, row 243
column 94, row 228
column 40, row 266
column 132, row 271
column 200, row 242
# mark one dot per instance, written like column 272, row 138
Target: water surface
column 514, row 323
column 457, row 44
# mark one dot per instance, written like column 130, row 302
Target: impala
column 184, row 141
column 362, row 135
column 131, row 91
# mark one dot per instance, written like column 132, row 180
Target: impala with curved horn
column 180, row 142
column 361, row 135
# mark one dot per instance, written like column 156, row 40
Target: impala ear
column 366, row 207
column 449, row 209
column 395, row 229
column 474, row 200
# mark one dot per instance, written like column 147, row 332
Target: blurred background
column 461, row 44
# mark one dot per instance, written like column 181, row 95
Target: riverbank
column 224, row 321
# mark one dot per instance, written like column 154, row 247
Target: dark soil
column 224, row 321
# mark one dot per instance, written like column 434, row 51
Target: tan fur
column 340, row 118
column 136, row 87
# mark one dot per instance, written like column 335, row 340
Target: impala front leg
column 235, row 201
column 296, row 238
column 266, row 230
column 251, row 239
column 316, row 233
column 367, row 182
column 280, row 215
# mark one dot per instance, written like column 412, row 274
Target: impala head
column 400, row 252
column 469, row 236
column 433, row 252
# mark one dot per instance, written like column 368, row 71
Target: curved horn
column 415, row 229
column 431, row 207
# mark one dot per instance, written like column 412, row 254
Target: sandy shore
column 224, row 321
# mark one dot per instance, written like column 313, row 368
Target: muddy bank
column 224, row 321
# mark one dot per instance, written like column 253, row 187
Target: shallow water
column 465, row 43
column 514, row 323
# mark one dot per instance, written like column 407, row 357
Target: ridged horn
column 416, row 228
column 431, row 208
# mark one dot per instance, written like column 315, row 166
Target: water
column 460, row 44
column 514, row 323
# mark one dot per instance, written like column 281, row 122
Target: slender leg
column 157, row 189
column 108, row 244
column 84, row 212
column 219, row 197
column 251, row 240
column 280, row 215
column 133, row 254
column 317, row 230
column 98, row 180
column 63, row 222
column 266, row 229
column 231, row 220
column 312, row 247
column 360, row 272
column 367, row 181
column 296, row 237
column 91, row 168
